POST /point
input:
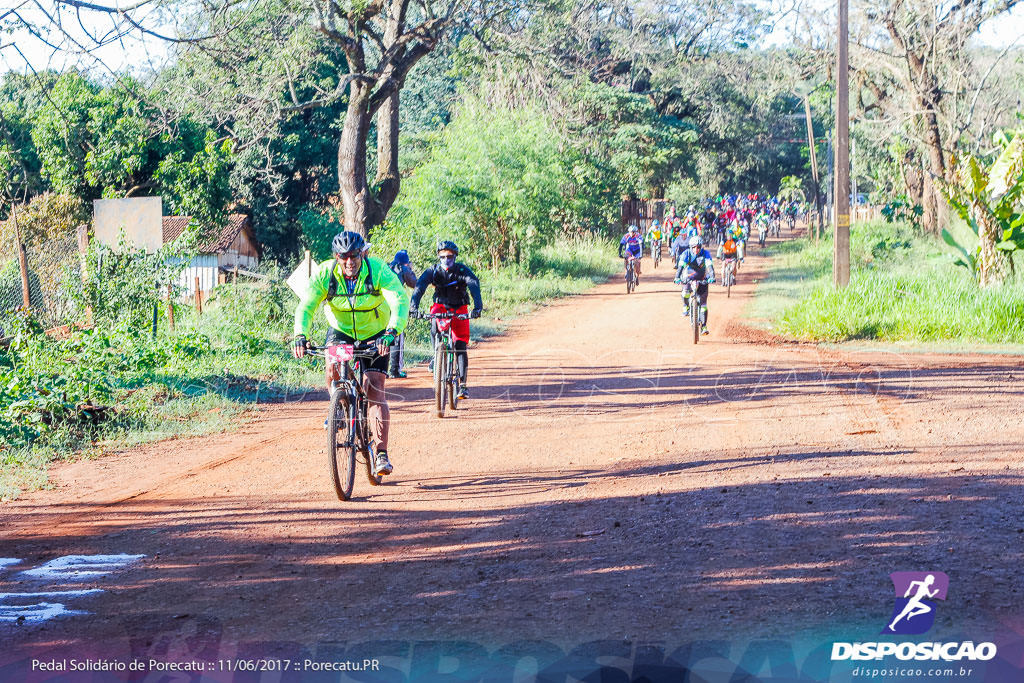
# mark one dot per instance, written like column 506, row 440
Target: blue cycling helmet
column 347, row 242
column 401, row 258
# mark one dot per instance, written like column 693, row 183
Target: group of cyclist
column 368, row 303
column 724, row 220
column 367, row 300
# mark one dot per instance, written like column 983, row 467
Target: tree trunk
column 356, row 200
column 388, row 179
column 937, row 167
column 936, row 171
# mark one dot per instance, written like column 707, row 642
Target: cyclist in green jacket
column 363, row 301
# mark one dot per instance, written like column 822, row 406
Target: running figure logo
column 914, row 612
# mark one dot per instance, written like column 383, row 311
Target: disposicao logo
column 914, row 611
column 914, row 614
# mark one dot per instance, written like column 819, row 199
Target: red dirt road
column 607, row 480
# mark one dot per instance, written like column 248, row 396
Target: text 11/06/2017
column 215, row 665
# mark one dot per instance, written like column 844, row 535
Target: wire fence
column 52, row 271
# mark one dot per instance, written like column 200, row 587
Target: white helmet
column 633, row 228
column 694, row 241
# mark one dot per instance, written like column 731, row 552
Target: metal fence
column 51, row 271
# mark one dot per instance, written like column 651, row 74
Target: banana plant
column 791, row 187
column 968, row 259
column 989, row 201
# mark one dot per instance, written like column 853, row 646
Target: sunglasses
column 351, row 256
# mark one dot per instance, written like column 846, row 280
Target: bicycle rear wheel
column 695, row 316
column 440, row 374
column 342, row 456
column 369, row 454
column 367, row 450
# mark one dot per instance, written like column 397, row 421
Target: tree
column 382, row 40
column 381, row 46
column 915, row 62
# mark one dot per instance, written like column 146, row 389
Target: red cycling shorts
column 460, row 328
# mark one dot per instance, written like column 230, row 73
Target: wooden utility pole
column 814, row 167
column 199, row 297
column 26, row 300
column 841, row 191
column 170, row 306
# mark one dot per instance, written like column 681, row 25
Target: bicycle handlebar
column 456, row 316
column 315, row 350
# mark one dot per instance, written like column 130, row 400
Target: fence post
column 82, row 233
column 22, row 259
column 170, row 306
column 199, row 297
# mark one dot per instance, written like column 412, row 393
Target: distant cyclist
column 738, row 235
column 454, row 284
column 679, row 246
column 728, row 249
column 696, row 264
column 654, row 238
column 707, row 220
column 363, row 301
column 632, row 246
column 401, row 267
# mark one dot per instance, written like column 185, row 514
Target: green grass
column 903, row 288
column 213, row 368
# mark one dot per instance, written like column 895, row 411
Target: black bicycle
column 695, row 307
column 656, row 252
column 348, row 436
column 447, row 383
column 631, row 276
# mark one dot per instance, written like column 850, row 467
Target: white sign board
column 300, row 278
column 141, row 218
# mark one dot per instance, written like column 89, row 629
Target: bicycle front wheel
column 440, row 376
column 341, row 443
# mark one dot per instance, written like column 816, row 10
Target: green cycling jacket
column 378, row 301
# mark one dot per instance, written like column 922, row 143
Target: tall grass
column 903, row 287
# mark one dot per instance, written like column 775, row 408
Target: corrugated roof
column 174, row 226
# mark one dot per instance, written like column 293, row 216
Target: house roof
column 174, row 226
